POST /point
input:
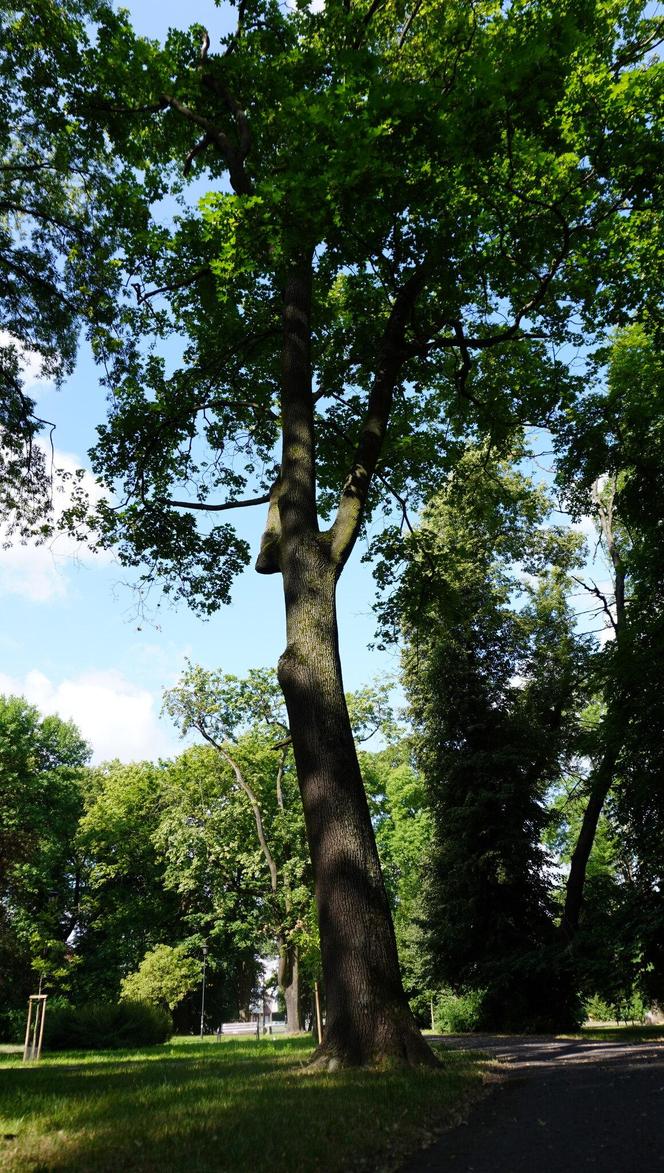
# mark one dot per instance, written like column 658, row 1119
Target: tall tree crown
column 406, row 212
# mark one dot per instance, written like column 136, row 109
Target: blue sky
column 71, row 640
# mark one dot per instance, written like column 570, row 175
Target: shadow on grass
column 234, row 1112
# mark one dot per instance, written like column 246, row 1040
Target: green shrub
column 98, row 1027
column 165, row 976
column 12, row 1026
column 599, row 1010
column 632, row 1009
column 458, row 1013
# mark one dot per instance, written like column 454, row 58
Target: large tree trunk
column 289, row 983
column 601, row 784
column 368, row 1017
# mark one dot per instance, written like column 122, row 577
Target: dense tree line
column 537, row 745
column 114, row 877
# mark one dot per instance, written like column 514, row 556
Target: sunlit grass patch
column 627, row 1033
column 236, row 1105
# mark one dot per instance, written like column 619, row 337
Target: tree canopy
column 60, row 219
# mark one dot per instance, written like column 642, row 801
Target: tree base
column 387, row 1049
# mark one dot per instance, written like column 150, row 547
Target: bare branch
column 205, row 508
column 406, row 28
column 401, row 501
column 593, row 589
column 142, row 295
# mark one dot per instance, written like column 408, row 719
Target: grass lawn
column 626, row 1033
column 235, row 1105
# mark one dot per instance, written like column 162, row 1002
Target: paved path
column 565, row 1107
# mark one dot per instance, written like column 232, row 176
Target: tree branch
column 205, row 508
column 346, row 526
column 240, row 181
column 268, row 560
column 255, row 806
column 142, row 296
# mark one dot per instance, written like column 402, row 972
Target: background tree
column 252, row 818
column 127, row 909
column 404, row 828
column 609, row 452
column 41, row 801
column 495, row 674
column 416, row 199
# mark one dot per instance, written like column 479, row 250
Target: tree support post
column 34, row 1030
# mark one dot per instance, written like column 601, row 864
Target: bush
column 12, row 1026
column 165, row 976
column 458, row 1013
column 598, row 1010
column 629, row 1009
column 101, row 1027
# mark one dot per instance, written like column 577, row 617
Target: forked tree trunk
column 368, row 1019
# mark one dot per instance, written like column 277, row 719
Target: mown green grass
column 235, row 1105
column 622, row 1034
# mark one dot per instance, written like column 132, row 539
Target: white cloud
column 117, row 718
column 586, row 526
column 30, row 363
column 41, row 573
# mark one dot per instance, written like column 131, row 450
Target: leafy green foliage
column 609, row 454
column 494, row 673
column 165, row 976
column 404, row 828
column 41, row 801
column 61, row 219
column 245, row 846
column 126, row 910
column 458, row 1013
column 100, row 1027
column 488, row 154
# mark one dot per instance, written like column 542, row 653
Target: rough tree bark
column 368, row 1019
column 288, row 978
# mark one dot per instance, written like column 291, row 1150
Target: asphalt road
column 564, row 1106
